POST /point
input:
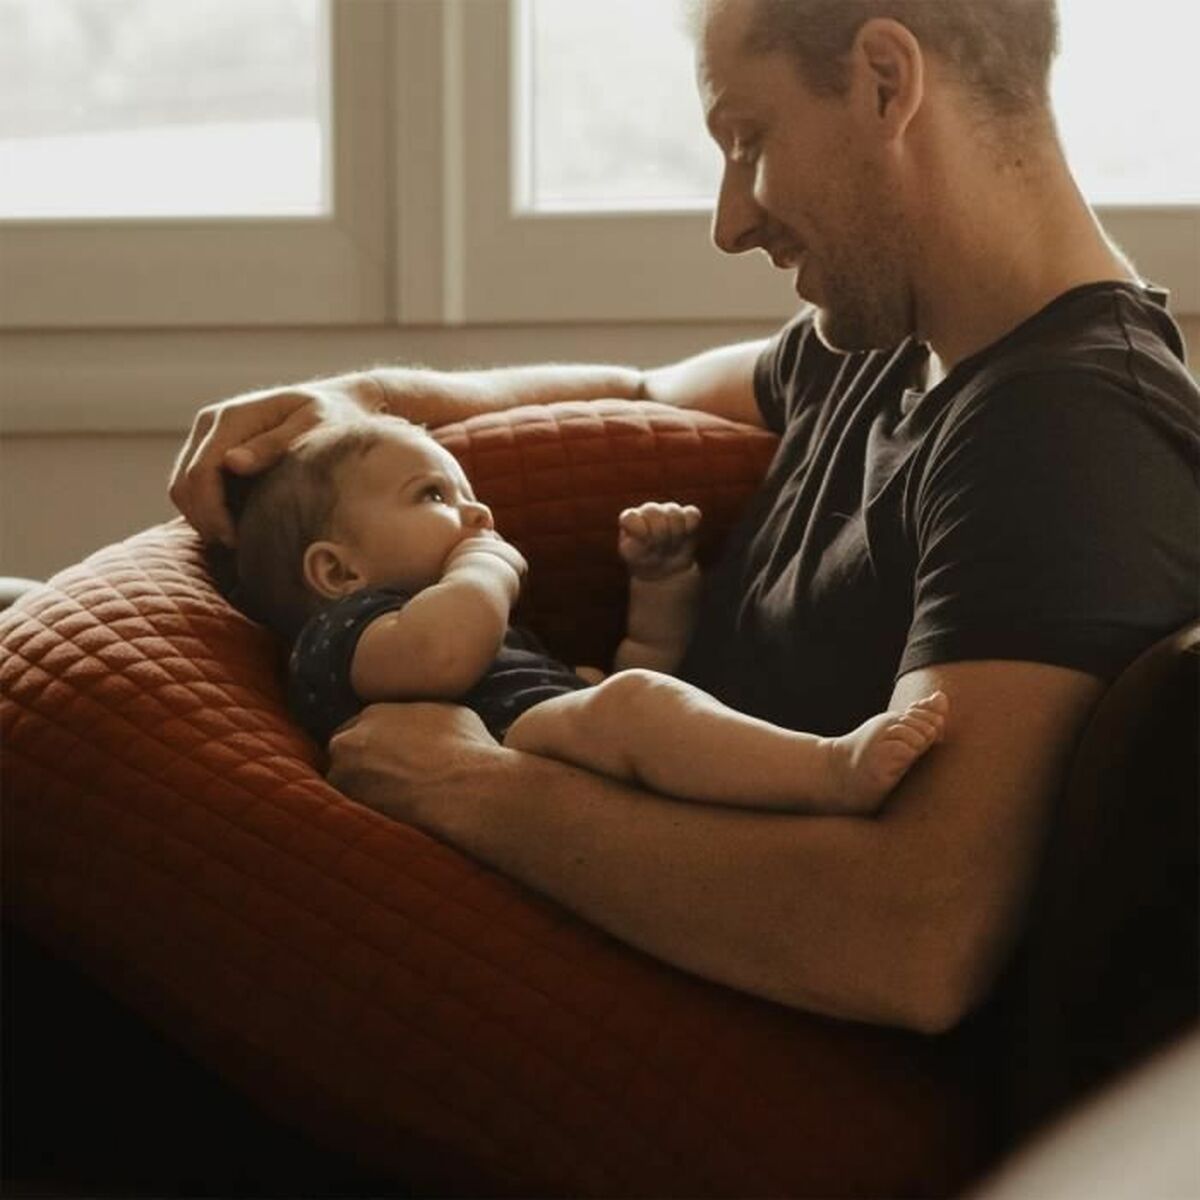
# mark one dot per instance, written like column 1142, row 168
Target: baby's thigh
column 612, row 727
column 553, row 724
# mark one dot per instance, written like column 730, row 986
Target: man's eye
column 744, row 149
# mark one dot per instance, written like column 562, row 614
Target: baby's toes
column 930, row 720
column 936, row 703
column 908, row 734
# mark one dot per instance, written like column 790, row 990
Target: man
column 985, row 486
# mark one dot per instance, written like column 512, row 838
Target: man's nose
column 476, row 515
column 738, row 219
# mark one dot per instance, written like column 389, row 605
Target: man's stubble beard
column 867, row 302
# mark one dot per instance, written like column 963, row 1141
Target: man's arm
column 904, row 919
column 248, row 433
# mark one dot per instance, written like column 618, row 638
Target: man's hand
column 403, row 759
column 658, row 540
column 248, row 434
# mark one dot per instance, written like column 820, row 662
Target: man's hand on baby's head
column 244, row 436
column 657, row 540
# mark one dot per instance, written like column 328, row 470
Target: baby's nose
column 477, row 515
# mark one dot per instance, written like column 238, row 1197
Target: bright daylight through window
column 162, row 108
column 611, row 121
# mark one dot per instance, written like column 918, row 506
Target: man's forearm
column 438, row 397
column 789, row 908
column 718, row 381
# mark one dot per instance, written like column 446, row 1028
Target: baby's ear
column 329, row 570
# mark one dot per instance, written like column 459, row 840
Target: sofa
column 292, row 994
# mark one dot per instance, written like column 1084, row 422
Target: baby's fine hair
column 281, row 512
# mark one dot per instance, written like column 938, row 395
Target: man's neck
column 997, row 254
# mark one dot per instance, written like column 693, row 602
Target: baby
column 366, row 548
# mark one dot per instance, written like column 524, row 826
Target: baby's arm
column 658, row 544
column 442, row 641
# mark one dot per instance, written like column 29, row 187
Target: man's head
column 371, row 503
column 1000, row 51
column 840, row 121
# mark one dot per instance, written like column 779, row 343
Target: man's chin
column 845, row 333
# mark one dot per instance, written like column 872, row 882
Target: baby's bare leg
column 662, row 733
column 872, row 759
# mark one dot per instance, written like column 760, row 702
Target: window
column 443, row 161
column 204, row 162
column 213, row 108
column 614, row 161
column 590, row 145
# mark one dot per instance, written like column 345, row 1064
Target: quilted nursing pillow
column 168, row 829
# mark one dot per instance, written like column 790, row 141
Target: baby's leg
column 872, row 759
column 660, row 732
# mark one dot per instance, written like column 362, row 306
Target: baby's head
column 374, row 502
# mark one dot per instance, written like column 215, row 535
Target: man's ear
column 329, row 570
column 889, row 74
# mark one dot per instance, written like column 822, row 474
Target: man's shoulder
column 1104, row 336
column 1101, row 360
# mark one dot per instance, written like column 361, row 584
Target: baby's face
column 403, row 507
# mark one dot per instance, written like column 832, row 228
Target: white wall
column 64, row 494
column 90, row 421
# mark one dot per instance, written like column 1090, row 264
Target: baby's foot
column 867, row 763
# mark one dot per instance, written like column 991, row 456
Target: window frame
column 176, row 272
column 432, row 82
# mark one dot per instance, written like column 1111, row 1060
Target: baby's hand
column 657, row 540
column 486, row 547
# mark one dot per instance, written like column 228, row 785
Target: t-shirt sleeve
column 320, row 694
column 1055, row 523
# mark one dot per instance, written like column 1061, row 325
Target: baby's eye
column 434, row 493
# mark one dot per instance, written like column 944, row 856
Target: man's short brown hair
column 1000, row 50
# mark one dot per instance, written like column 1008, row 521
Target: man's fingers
column 244, row 439
column 198, row 493
column 263, row 450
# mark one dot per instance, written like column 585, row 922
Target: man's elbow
column 916, row 984
column 954, row 978
column 937, row 1010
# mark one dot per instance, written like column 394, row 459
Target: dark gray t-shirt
column 1041, row 503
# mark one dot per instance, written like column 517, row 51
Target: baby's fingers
column 633, row 523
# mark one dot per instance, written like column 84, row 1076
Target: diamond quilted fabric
column 167, row 829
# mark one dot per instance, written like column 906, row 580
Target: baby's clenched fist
column 657, row 540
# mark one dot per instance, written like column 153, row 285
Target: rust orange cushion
column 167, row 828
